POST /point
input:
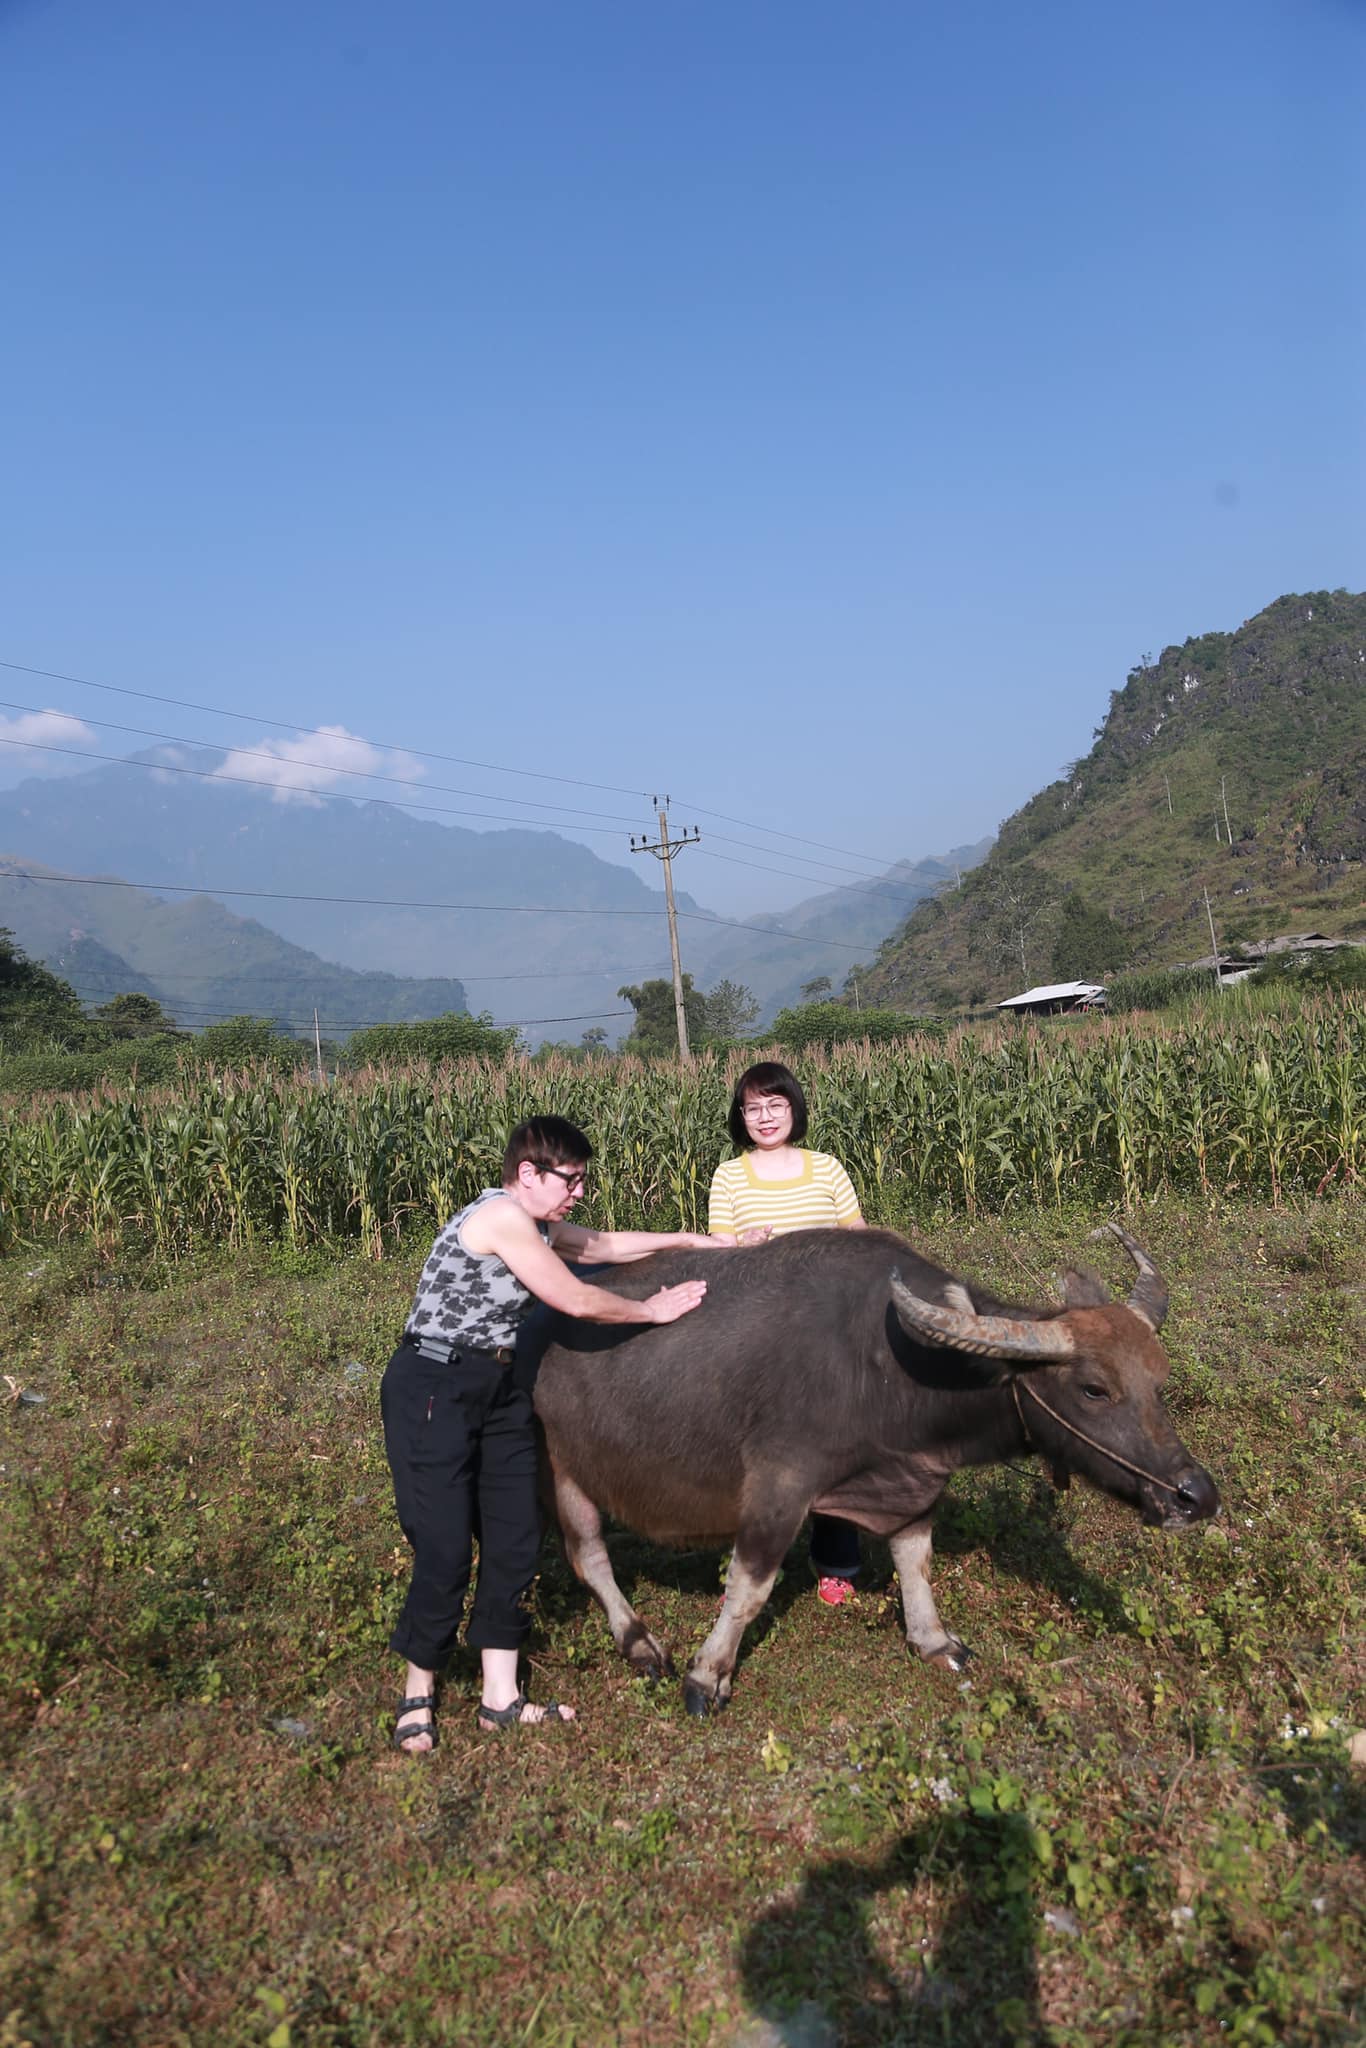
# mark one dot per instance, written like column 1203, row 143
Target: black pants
column 834, row 1547
column 462, row 1451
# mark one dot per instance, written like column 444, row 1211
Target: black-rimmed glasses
column 572, row 1176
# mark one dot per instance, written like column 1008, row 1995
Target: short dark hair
column 769, row 1077
column 545, row 1141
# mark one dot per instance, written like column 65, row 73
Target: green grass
column 1134, row 1822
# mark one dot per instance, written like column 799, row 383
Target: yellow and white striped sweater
column 821, row 1194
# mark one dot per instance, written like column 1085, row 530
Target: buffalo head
column 1087, row 1382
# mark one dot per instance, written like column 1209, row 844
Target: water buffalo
column 840, row 1371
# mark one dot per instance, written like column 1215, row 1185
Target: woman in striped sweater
column 775, row 1185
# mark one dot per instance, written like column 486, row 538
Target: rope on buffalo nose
column 1081, row 1436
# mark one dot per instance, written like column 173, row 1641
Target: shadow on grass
column 1322, row 1798
column 957, row 1894
column 1024, row 1535
column 649, row 1577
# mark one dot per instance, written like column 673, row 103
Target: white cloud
column 329, row 758
column 23, row 735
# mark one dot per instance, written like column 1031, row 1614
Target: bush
column 1155, row 988
column 431, row 1039
column 1315, row 971
column 829, row 1024
column 249, row 1041
column 147, row 1060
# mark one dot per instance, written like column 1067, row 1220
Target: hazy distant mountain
column 198, row 960
column 857, row 917
column 166, row 829
column 556, row 966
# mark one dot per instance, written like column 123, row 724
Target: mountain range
column 355, row 908
column 1226, row 785
column 196, row 958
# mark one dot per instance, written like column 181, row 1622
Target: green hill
column 199, row 960
column 1233, row 764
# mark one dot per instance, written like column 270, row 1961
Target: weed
column 1134, row 1819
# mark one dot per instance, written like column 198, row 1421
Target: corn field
column 1104, row 1111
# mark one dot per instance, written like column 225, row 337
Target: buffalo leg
column 581, row 1527
column 911, row 1548
column 759, row 1551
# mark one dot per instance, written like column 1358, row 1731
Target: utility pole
column 1213, row 941
column 664, row 849
column 1224, row 801
column 318, row 1046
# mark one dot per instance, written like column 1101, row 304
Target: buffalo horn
column 1150, row 1297
column 987, row 1336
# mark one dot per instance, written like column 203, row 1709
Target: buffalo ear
column 1081, row 1288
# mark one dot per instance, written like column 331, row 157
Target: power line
column 287, row 725
column 218, row 1014
column 436, row 810
column 420, row 753
column 181, row 739
column 334, row 796
column 700, row 811
column 395, row 781
column 404, row 903
column 835, row 889
column 174, row 979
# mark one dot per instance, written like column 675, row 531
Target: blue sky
column 811, row 411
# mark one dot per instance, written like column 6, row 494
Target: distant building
column 1057, row 1000
column 1235, row 967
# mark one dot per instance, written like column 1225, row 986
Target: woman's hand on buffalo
column 672, row 1302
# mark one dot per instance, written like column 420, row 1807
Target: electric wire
column 884, row 893
column 331, row 1024
column 181, row 739
column 375, row 775
column 173, row 977
column 334, row 796
column 288, row 725
column 426, row 754
column 406, row 903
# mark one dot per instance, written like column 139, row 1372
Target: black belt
column 452, row 1354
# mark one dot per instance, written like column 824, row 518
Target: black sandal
column 403, row 1736
column 510, row 1716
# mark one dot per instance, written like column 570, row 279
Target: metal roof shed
column 1056, row 999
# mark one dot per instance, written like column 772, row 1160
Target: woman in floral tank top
column 458, row 1427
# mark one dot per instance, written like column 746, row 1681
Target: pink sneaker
column 835, row 1592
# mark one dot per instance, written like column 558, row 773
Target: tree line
column 48, row 1039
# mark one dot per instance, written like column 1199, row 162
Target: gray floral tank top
column 464, row 1297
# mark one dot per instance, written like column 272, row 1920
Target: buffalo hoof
column 654, row 1669
column 701, row 1704
column 646, row 1657
column 950, row 1655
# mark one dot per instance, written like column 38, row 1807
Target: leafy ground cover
column 1135, row 1821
